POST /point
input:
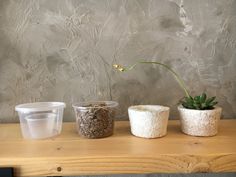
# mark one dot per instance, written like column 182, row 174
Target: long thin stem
column 176, row 76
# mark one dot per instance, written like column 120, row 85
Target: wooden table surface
column 122, row 153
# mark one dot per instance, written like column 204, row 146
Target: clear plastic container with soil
column 95, row 119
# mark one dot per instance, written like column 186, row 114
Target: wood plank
column 122, row 153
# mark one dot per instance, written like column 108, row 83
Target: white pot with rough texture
column 148, row 121
column 200, row 122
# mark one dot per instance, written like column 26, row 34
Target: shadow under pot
column 95, row 119
column 199, row 122
column 148, row 121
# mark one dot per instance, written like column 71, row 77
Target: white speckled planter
column 199, row 122
column 148, row 121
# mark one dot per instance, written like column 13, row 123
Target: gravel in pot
column 95, row 119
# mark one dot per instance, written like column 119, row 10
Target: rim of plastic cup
column 39, row 106
column 82, row 105
column 30, row 118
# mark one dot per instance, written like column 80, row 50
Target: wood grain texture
column 122, row 153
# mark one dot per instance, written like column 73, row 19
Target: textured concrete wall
column 62, row 50
column 54, row 50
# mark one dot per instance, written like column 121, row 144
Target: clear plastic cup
column 95, row 119
column 41, row 119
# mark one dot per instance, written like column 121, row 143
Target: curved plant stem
column 176, row 76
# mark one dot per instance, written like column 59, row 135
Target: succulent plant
column 199, row 102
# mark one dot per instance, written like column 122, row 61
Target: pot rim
column 84, row 105
column 39, row 106
column 180, row 107
column 149, row 108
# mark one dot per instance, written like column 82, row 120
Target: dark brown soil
column 96, row 122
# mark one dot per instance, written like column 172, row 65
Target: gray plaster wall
column 63, row 50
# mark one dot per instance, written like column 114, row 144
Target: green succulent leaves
column 199, row 102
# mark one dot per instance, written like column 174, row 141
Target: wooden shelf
column 122, row 153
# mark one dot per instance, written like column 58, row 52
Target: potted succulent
column 199, row 115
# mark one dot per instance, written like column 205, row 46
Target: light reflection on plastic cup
column 41, row 125
column 40, row 120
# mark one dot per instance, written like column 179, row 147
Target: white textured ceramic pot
column 148, row 121
column 200, row 122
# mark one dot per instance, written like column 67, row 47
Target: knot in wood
column 202, row 167
column 59, row 169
